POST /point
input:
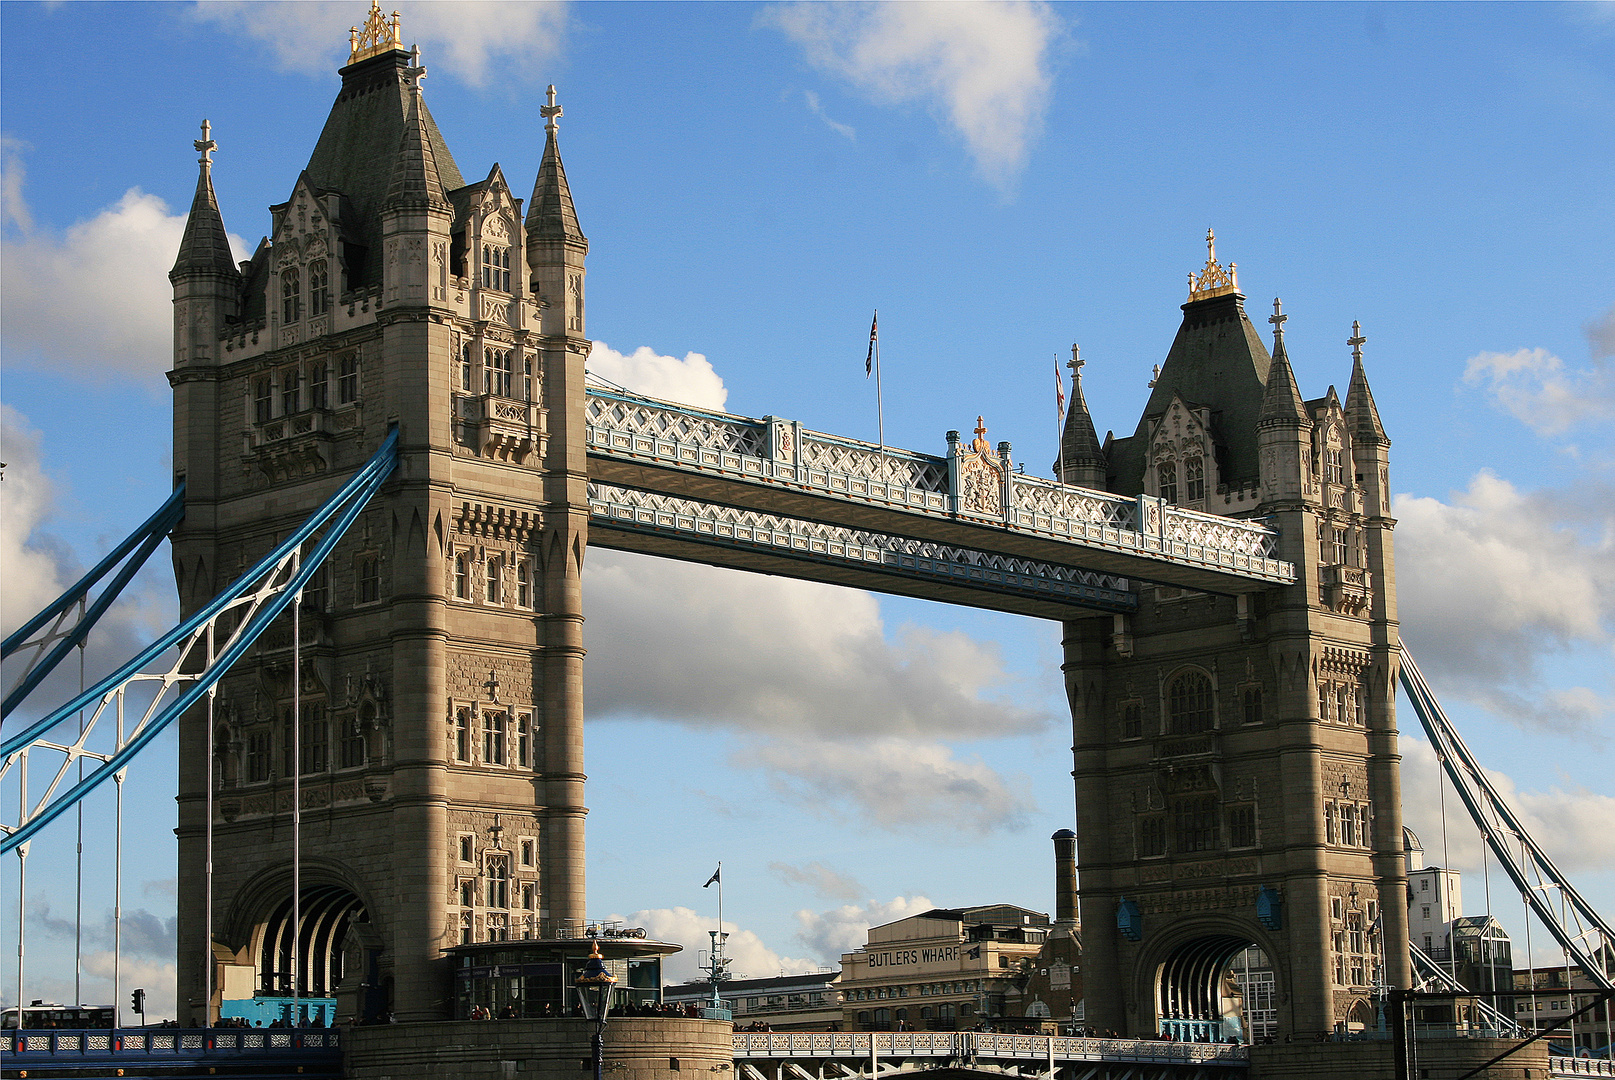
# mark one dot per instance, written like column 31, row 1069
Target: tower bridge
column 1224, row 578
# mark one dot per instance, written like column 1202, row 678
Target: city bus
column 49, row 1015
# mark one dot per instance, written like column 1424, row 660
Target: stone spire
column 1361, row 413
column 1281, row 401
column 205, row 247
column 550, row 213
column 1081, row 455
column 415, row 180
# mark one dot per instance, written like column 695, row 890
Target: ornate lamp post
column 594, row 994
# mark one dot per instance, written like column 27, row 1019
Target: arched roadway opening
column 1210, row 979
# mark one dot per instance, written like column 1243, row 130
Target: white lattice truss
column 627, row 508
column 829, row 1055
column 781, row 453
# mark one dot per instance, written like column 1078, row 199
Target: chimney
column 1065, row 882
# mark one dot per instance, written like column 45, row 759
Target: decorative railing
column 780, row 452
column 21, row 1046
column 619, row 507
column 964, row 1045
column 1572, row 1066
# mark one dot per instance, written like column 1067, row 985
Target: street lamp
column 594, row 994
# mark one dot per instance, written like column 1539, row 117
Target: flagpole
column 880, row 408
column 1059, row 415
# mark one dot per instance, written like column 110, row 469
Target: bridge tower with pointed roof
column 1236, row 757
column 430, row 756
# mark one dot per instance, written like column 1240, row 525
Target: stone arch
column 1182, row 980
column 338, row 930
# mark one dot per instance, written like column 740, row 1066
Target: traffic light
column 138, row 1000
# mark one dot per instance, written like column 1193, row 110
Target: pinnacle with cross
column 1278, row 319
column 414, row 73
column 1211, row 246
column 1076, row 362
column 492, row 686
column 1356, row 340
column 551, row 112
column 205, row 145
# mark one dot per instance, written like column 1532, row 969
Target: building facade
column 807, row 1002
column 432, row 714
column 1236, row 758
column 946, row 969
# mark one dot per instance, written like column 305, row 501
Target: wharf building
column 942, row 970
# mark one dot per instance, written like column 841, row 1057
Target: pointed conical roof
column 205, row 245
column 1079, row 443
column 358, row 148
column 550, row 213
column 415, row 179
column 1281, row 401
column 1361, row 412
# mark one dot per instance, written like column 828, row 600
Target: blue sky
column 1000, row 181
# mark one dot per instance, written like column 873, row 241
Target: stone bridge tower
column 438, row 739
column 1235, row 758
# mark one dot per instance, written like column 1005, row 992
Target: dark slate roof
column 1217, row 360
column 359, row 144
column 1282, row 399
column 1079, row 443
column 205, row 246
column 415, row 181
column 551, row 213
column 1360, row 409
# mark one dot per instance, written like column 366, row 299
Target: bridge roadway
column 771, row 495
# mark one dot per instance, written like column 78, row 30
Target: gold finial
column 981, row 446
column 551, row 112
column 379, row 35
column 1213, row 280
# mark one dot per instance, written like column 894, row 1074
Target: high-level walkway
column 773, row 496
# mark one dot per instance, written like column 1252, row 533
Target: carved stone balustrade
column 504, row 428
column 1348, row 589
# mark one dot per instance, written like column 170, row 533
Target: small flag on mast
column 1059, row 391
column 874, row 336
column 715, row 877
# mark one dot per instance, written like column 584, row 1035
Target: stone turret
column 415, row 215
column 207, row 283
column 1283, row 427
column 1082, row 460
column 556, row 245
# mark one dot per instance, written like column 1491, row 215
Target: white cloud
column 473, row 38
column 1571, row 824
column 13, row 208
column 821, row 879
column 895, row 784
column 846, row 131
column 828, row 934
column 1534, row 386
column 118, row 261
column 1497, row 580
column 723, row 648
column 983, row 65
column 752, row 959
column 690, row 381
column 31, row 561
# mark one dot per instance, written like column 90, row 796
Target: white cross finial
column 1076, row 359
column 205, row 145
column 414, row 73
column 1356, row 340
column 551, row 111
column 1278, row 318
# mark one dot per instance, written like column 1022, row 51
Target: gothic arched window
column 462, row 577
column 496, row 372
column 1194, row 478
column 1189, row 704
column 319, row 293
column 1166, row 480
column 291, row 295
